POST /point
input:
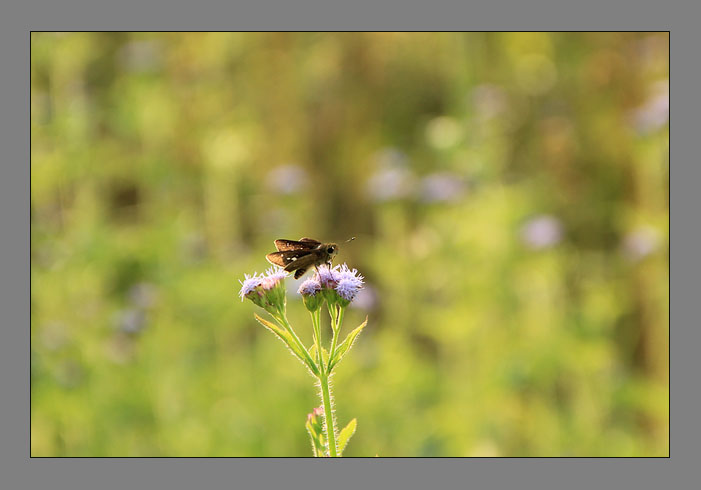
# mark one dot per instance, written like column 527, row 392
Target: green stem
column 316, row 324
column 329, row 424
column 336, row 331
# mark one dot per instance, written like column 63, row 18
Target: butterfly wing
column 291, row 259
column 303, row 244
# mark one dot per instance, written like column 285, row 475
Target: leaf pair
column 287, row 338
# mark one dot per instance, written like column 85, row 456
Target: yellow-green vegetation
column 509, row 193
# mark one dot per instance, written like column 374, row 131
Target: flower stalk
column 336, row 287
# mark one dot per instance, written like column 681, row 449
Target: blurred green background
column 509, row 192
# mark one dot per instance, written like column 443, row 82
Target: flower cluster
column 337, row 285
column 267, row 291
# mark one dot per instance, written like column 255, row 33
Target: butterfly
column 299, row 256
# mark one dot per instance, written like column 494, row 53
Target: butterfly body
column 299, row 256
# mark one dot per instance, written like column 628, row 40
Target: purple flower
column 349, row 282
column 308, row 290
column 640, row 243
column 249, row 284
column 390, row 183
column 654, row 113
column 287, row 179
column 266, row 291
column 326, row 276
column 309, row 287
column 338, row 284
column 543, row 231
column 274, row 275
column 442, row 187
column 392, row 179
column 130, row 320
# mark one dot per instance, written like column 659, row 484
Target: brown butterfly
column 299, row 256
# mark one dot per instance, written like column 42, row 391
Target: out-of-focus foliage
column 510, row 197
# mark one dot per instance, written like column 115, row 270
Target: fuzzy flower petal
column 309, row 287
column 249, row 284
column 349, row 282
column 273, row 276
column 327, row 277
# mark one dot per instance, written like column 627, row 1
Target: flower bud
column 310, row 294
column 315, row 427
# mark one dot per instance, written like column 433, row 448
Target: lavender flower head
column 543, row 231
column 326, row 276
column 266, row 291
column 339, row 284
column 309, row 287
column 308, row 290
column 274, row 275
column 249, row 284
column 349, row 282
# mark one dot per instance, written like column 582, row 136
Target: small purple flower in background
column 390, row 183
column 640, row 243
column 489, row 101
column 541, row 232
column 130, row 321
column 442, row 187
column 287, row 179
column 143, row 295
column 654, row 113
column 392, row 179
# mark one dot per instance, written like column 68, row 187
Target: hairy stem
column 329, row 425
column 336, row 325
column 316, row 326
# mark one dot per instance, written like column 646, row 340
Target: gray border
column 18, row 471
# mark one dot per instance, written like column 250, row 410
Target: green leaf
column 346, row 345
column 345, row 435
column 289, row 341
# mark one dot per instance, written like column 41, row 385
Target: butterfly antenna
column 350, row 239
